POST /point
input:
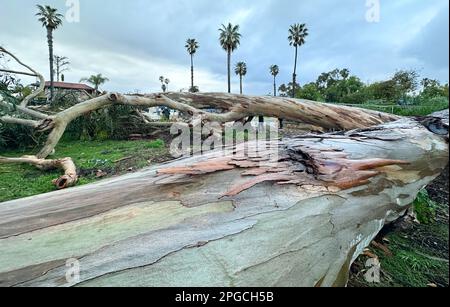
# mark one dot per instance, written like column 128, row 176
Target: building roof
column 70, row 86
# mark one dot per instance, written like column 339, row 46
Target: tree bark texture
column 235, row 220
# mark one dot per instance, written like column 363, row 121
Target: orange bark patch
column 209, row 166
column 258, row 179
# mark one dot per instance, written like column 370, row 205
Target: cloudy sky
column 133, row 42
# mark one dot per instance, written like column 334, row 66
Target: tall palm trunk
column 229, row 70
column 50, row 51
column 274, row 86
column 240, row 83
column 192, row 72
column 294, row 75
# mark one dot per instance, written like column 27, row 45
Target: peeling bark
column 204, row 221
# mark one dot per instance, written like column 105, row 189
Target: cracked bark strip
column 300, row 164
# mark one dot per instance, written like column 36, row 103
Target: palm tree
column 51, row 20
column 297, row 34
column 345, row 73
column 95, row 80
column 164, row 83
column 229, row 40
column 241, row 71
column 191, row 47
column 274, row 71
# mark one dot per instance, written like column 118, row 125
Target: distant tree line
column 340, row 86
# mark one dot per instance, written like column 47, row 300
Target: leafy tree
column 286, row 90
column 229, row 39
column 328, row 79
column 406, row 82
column 191, row 47
column 241, row 71
column 297, row 35
column 384, row 90
column 337, row 85
column 51, row 20
column 399, row 89
column 433, row 88
column 445, row 90
column 194, row 89
column 95, row 80
column 309, row 91
column 358, row 97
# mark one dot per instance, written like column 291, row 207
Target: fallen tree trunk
column 297, row 213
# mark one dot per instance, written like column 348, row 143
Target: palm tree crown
column 95, row 80
column 241, row 69
column 274, row 70
column 230, row 38
column 49, row 17
column 191, row 46
column 297, row 34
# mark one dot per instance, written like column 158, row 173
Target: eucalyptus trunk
column 330, row 195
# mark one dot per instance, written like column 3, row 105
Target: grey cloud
column 152, row 34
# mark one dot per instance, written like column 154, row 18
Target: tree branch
column 18, row 72
column 21, row 109
column 14, row 120
column 41, row 87
column 66, row 164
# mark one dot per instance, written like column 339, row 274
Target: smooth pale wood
column 69, row 178
column 165, row 226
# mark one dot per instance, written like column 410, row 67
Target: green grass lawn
column 17, row 181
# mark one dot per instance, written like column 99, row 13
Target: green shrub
column 115, row 123
column 424, row 208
